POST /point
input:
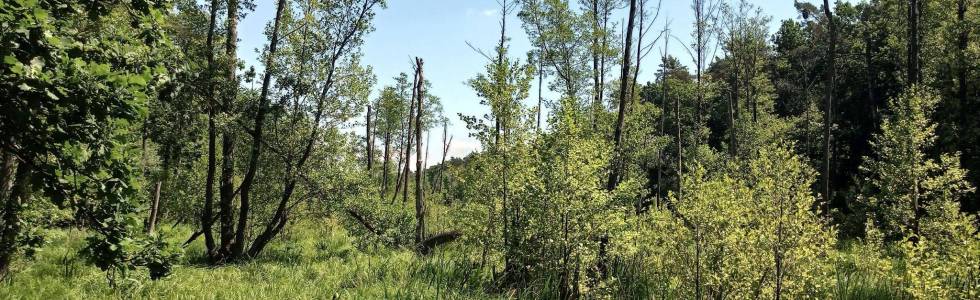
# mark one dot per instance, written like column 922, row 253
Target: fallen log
column 428, row 244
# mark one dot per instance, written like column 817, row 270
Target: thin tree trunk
column 408, row 141
column 12, row 183
column 369, row 142
column 208, row 210
column 246, row 187
column 733, row 110
column 699, row 45
column 226, row 209
column 540, row 85
column 152, row 222
column 623, row 87
column 596, row 52
column 828, row 109
column 281, row 216
column 914, row 65
column 962, row 44
column 385, row 164
column 419, row 203
column 663, row 115
column 400, row 155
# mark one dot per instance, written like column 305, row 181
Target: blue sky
column 438, row 30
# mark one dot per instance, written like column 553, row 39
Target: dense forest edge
column 834, row 155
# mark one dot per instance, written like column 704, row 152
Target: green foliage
column 76, row 79
column 914, row 201
column 741, row 235
column 904, row 182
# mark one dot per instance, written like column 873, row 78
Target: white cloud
column 463, row 147
column 489, row 12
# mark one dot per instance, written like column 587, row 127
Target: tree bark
column 369, row 142
column 385, row 164
column 246, row 187
column 596, row 53
column 281, row 216
column 154, row 209
column 623, row 88
column 11, row 203
column 828, row 105
column 914, row 65
column 225, row 206
column 962, row 44
column 409, row 135
column 208, row 209
column 419, row 202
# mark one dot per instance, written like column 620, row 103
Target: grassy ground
column 318, row 261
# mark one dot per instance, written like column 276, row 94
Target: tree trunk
column 152, row 221
column 408, row 134
column 369, row 142
column 419, row 203
column 596, row 52
column 828, row 105
column 914, row 67
column 246, row 187
column 225, row 206
column 540, row 84
column 623, row 87
column 208, row 209
column 962, row 44
column 12, row 184
column 663, row 116
column 385, row 164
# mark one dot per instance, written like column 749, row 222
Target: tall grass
column 323, row 261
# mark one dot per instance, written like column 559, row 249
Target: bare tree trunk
column 596, row 52
column 540, row 84
column 663, row 115
column 828, row 109
column 408, row 141
column 962, row 44
column 227, row 190
column 14, row 189
column 419, row 203
column 208, row 209
column 152, row 222
column 699, row 19
column 400, row 155
column 385, row 164
column 246, row 187
column 369, row 141
column 623, row 87
column 680, row 149
column 914, row 64
column 602, row 59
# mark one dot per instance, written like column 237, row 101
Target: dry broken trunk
column 419, row 202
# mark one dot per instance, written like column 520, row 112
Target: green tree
column 76, row 79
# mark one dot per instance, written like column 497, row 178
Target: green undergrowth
column 311, row 261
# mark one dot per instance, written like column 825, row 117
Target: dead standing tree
column 419, row 202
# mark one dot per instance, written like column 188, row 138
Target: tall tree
column 257, row 143
column 623, row 89
column 419, row 202
column 226, row 210
column 830, row 77
column 207, row 212
column 348, row 23
column 914, row 66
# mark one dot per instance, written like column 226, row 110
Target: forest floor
column 310, row 261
